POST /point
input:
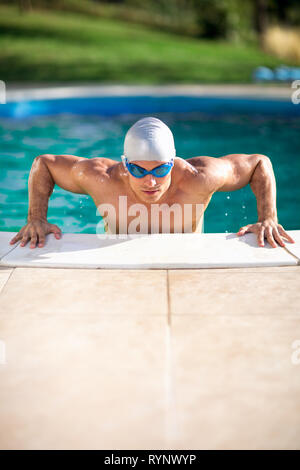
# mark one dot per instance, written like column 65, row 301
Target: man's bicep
column 235, row 171
column 67, row 171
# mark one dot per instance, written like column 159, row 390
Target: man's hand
column 35, row 231
column 268, row 229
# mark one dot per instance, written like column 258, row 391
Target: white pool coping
column 153, row 251
column 62, row 91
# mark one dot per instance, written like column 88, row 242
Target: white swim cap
column 149, row 139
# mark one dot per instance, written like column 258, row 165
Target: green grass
column 60, row 46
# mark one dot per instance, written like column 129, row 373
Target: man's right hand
column 35, row 231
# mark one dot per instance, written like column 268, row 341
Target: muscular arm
column 67, row 171
column 256, row 170
column 235, row 171
column 263, row 185
column 46, row 171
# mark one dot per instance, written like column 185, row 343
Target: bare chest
column 122, row 212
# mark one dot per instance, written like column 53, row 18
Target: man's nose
column 150, row 180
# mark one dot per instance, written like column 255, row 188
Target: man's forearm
column 263, row 184
column 40, row 188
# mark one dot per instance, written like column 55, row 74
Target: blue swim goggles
column 139, row 172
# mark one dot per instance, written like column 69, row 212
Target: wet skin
column 192, row 181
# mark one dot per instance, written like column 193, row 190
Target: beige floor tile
column 82, row 291
column 4, row 276
column 235, row 293
column 236, row 386
column 82, row 382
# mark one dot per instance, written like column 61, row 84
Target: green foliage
column 236, row 20
column 53, row 46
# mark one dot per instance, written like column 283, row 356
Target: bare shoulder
column 88, row 172
column 203, row 163
column 201, row 172
column 92, row 166
column 218, row 172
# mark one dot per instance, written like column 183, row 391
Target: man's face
column 149, row 188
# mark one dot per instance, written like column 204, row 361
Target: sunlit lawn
column 53, row 46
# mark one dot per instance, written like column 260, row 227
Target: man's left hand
column 268, row 229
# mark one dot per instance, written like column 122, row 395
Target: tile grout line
column 171, row 414
column 10, row 274
column 168, row 299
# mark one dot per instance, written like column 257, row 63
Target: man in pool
column 150, row 174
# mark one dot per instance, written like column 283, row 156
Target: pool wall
column 114, row 100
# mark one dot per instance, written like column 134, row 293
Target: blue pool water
column 96, row 128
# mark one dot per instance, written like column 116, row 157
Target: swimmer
column 150, row 173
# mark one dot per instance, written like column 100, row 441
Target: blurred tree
column 213, row 19
column 286, row 12
column 24, row 5
column 224, row 19
column 261, row 16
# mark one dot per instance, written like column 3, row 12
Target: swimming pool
column 92, row 127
